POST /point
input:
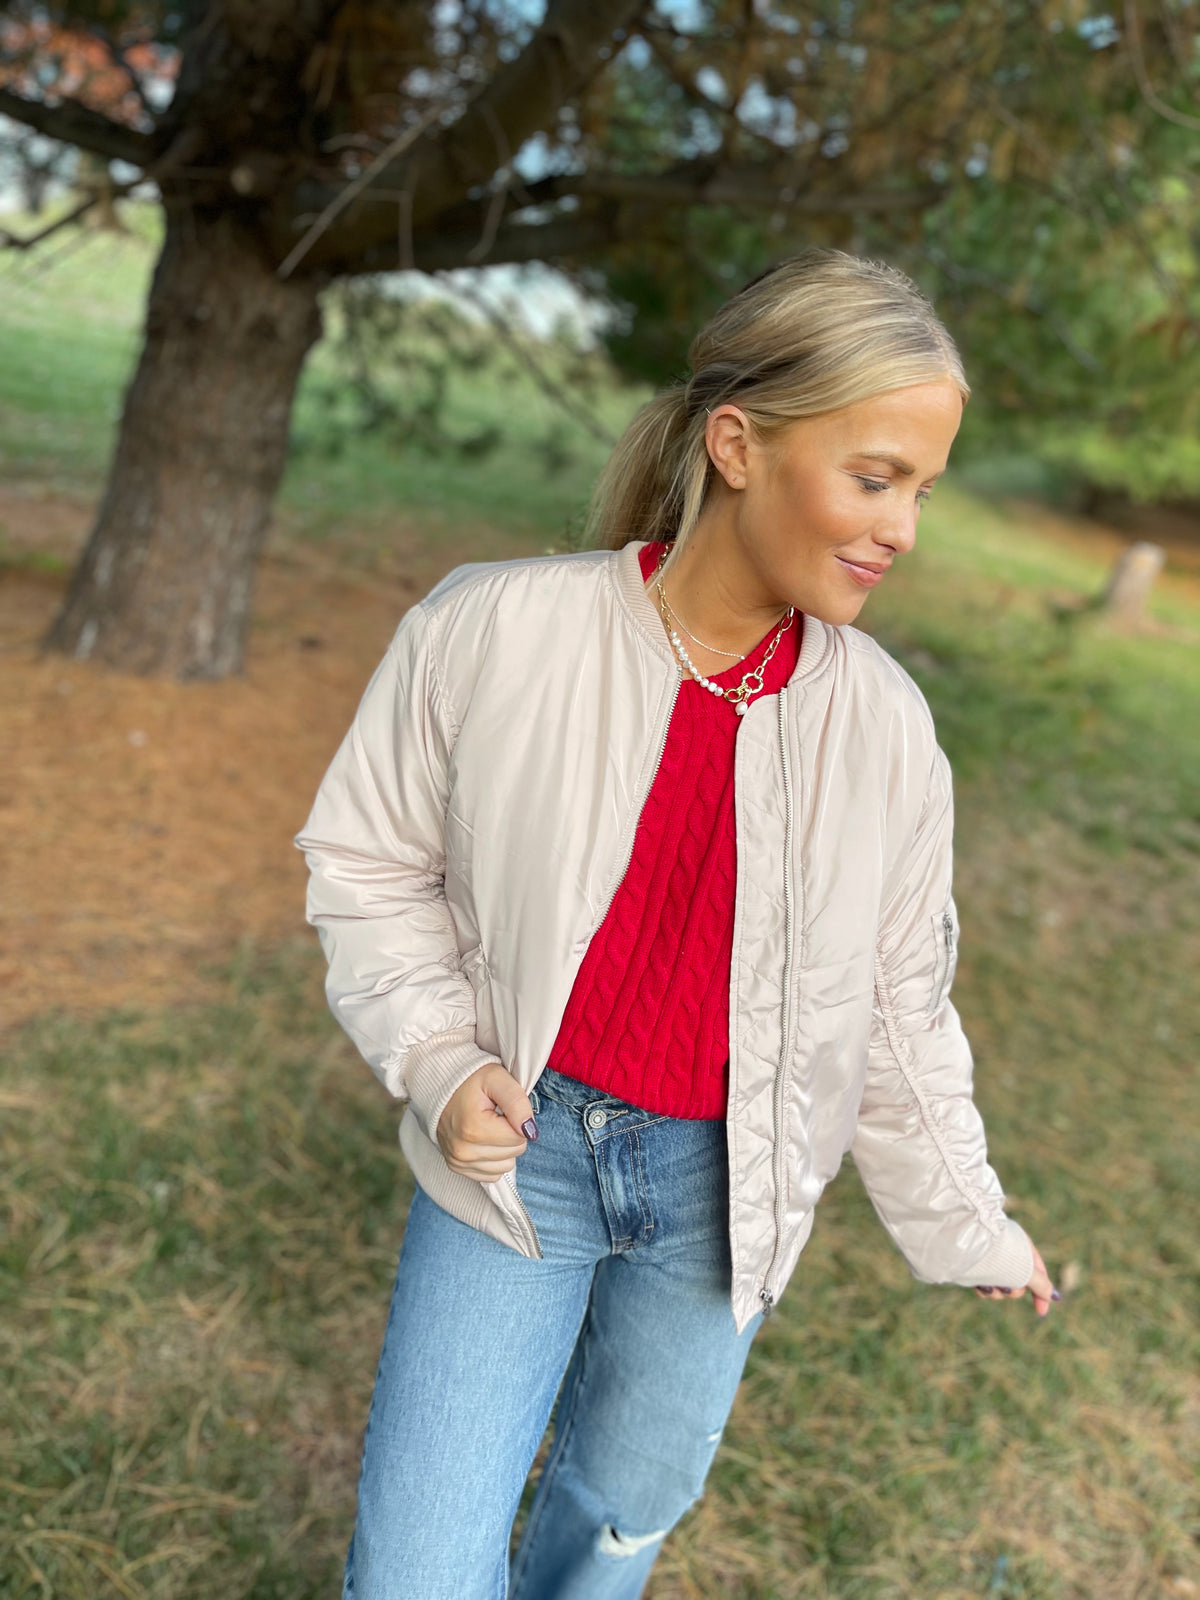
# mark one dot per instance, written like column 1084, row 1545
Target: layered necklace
column 751, row 682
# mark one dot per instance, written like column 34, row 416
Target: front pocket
column 944, row 925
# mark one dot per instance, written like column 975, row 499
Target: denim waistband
column 568, row 1091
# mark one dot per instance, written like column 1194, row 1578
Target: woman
column 633, row 873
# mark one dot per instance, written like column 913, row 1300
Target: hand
column 1039, row 1286
column 476, row 1141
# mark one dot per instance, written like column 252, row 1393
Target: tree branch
column 673, row 68
column 570, row 48
column 1137, row 56
column 564, row 236
column 453, row 241
column 562, row 397
column 747, row 185
column 754, row 185
column 71, row 122
column 14, row 241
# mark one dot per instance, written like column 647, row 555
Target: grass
column 199, row 1223
column 201, row 1208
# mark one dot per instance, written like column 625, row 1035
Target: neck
column 712, row 588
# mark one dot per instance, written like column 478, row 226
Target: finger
column 512, row 1100
column 489, row 1133
column 483, row 1170
column 1040, row 1285
column 502, row 1147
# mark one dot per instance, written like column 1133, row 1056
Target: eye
column 875, row 485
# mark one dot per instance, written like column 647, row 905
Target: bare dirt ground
column 146, row 826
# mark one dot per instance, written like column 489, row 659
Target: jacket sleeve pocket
column 945, row 955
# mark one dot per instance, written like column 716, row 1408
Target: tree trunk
column 94, row 181
column 166, row 582
column 1132, row 579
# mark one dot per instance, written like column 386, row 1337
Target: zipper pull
column 948, row 925
column 768, row 1300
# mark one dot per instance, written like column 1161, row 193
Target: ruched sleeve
column 920, row 1144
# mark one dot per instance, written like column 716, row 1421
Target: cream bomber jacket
column 473, row 826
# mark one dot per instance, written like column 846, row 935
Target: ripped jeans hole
column 613, row 1543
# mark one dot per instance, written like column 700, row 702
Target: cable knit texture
column 648, row 1017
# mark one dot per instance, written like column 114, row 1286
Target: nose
column 900, row 533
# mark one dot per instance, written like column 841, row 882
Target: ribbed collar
column 815, row 646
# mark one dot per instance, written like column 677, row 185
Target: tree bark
column 1132, row 579
column 166, row 581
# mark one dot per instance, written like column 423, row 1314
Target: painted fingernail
column 1006, row 1291
column 1054, row 1295
column 529, row 1128
column 985, row 1288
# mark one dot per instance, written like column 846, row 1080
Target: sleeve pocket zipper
column 945, row 934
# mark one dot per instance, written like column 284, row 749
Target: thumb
column 1040, row 1286
column 509, row 1097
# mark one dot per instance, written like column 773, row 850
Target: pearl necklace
column 752, row 681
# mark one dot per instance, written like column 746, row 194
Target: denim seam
column 642, row 1192
column 602, row 1134
column 625, row 1242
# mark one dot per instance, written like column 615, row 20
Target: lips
column 868, row 573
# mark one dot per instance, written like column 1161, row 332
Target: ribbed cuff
column 435, row 1068
column 1008, row 1263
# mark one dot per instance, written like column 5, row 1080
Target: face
column 819, row 514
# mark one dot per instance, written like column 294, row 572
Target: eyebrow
column 906, row 467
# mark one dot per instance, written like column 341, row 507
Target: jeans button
column 597, row 1118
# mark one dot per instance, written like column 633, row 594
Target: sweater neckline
column 816, row 640
column 729, row 677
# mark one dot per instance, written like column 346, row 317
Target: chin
column 839, row 611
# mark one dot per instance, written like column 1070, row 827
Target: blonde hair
column 816, row 331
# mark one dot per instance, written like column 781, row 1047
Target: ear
column 727, row 435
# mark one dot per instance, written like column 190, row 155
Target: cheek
column 826, row 514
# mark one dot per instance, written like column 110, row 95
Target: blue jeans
column 628, row 1310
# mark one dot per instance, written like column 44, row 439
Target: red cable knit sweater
column 648, row 1017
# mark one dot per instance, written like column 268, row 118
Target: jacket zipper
column 511, row 1175
column 941, row 985
column 766, row 1294
column 662, row 745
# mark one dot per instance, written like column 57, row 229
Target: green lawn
column 201, row 1207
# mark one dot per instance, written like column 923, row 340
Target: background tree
column 657, row 154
